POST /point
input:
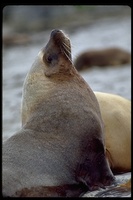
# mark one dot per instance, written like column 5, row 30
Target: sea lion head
column 56, row 55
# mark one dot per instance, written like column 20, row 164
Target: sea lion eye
column 49, row 59
column 52, row 58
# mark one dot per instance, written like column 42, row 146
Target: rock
column 121, row 189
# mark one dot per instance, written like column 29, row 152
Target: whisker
column 68, row 57
column 67, row 50
column 66, row 45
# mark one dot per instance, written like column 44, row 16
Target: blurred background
column 26, row 30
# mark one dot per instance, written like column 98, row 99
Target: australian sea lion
column 103, row 57
column 116, row 114
column 59, row 150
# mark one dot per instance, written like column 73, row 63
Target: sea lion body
column 104, row 57
column 116, row 114
column 59, row 150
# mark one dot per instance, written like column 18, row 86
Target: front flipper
column 93, row 169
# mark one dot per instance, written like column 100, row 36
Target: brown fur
column 104, row 57
column 60, row 191
column 61, row 141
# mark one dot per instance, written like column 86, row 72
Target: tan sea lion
column 103, row 57
column 60, row 148
column 116, row 114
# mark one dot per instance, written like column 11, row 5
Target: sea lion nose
column 54, row 32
